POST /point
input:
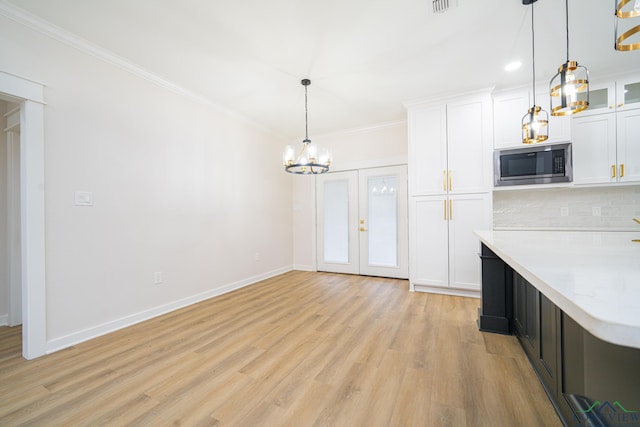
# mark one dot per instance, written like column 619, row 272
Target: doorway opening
column 29, row 95
column 10, row 246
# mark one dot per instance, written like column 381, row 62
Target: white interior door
column 362, row 222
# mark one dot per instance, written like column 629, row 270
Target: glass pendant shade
column 569, row 89
column 535, row 126
column 308, row 159
column 624, row 15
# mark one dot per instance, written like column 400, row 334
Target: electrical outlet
column 257, row 256
column 157, row 278
column 564, row 211
column 595, row 211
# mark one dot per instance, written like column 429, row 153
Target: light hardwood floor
column 301, row 349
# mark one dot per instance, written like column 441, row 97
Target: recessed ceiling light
column 513, row 66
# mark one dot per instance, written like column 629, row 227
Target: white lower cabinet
column 443, row 248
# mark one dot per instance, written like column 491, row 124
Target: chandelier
column 308, row 160
column 535, row 123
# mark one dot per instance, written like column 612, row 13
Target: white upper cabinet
column 450, row 146
column 427, row 149
column 508, row 110
column 469, row 145
column 619, row 95
column 510, row 107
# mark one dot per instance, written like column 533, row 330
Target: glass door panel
column 337, row 219
column 383, row 221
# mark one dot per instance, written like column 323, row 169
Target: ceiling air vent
column 441, row 6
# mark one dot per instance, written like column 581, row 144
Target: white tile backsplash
column 543, row 208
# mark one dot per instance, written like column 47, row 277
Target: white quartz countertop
column 594, row 277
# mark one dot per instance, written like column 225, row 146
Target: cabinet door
column 532, row 310
column 548, row 346
column 602, row 99
column 628, row 124
column 594, row 149
column 508, row 110
column 427, row 150
column 467, row 213
column 628, row 93
column 469, row 145
column 429, row 241
column 519, row 304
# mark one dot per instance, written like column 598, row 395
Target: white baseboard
column 94, row 332
column 446, row 291
column 4, row 320
column 302, row 267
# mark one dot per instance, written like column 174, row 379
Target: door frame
column 30, row 95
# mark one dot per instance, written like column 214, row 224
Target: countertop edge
column 614, row 333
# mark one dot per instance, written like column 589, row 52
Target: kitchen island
column 573, row 300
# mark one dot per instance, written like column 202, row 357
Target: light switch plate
column 84, row 198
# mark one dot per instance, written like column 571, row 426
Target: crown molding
column 29, row 20
column 38, row 24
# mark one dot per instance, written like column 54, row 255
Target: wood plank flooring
column 301, row 349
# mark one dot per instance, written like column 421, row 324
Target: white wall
column 381, row 145
column 179, row 187
column 4, row 260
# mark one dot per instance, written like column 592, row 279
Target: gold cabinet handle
column 613, row 171
column 444, row 180
column 620, row 105
column 450, row 182
column 363, row 229
column 445, row 209
column 636, row 220
column 612, row 106
column 622, row 170
column 450, row 209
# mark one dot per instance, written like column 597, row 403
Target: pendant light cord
column 533, row 54
column 567, row 25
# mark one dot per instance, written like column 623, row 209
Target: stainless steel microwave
column 539, row 164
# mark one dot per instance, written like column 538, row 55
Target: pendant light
column 569, row 88
column 535, row 123
column 620, row 14
column 308, row 160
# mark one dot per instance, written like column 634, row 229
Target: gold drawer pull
column 445, row 210
column 450, row 210
column 444, row 180
column 622, row 170
column 613, row 171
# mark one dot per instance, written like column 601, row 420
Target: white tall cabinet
column 450, row 145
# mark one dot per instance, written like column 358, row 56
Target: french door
column 362, row 222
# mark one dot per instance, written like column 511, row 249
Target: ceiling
column 364, row 57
